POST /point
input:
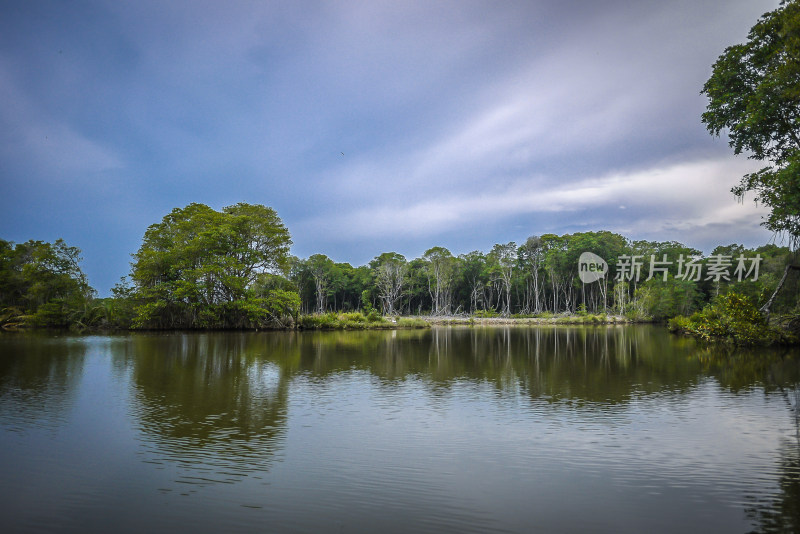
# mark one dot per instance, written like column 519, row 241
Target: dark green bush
column 732, row 317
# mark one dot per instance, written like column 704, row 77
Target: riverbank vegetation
column 42, row 285
column 200, row 268
column 735, row 319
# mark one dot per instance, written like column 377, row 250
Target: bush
column 733, row 318
column 374, row 316
column 353, row 317
column 325, row 321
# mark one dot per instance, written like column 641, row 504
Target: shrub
column 354, row 317
column 374, row 316
column 731, row 317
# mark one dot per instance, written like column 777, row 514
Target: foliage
column 196, row 270
column 323, row 272
column 590, row 318
column 342, row 321
column 732, row 317
column 200, row 268
column 390, row 270
column 412, row 322
column 542, row 279
column 440, row 266
column 659, row 299
column 42, row 285
column 502, row 260
column 754, row 94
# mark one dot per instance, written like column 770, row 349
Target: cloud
column 680, row 197
column 46, row 142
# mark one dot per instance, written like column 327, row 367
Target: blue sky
column 369, row 126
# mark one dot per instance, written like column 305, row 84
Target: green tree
column 321, row 267
column 416, row 287
column 198, row 268
column 754, row 94
column 662, row 299
column 440, row 269
column 557, row 270
column 472, row 279
column 42, row 284
column 530, row 256
column 502, row 259
column 361, row 280
column 390, row 270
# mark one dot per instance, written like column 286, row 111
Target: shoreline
column 398, row 322
column 453, row 320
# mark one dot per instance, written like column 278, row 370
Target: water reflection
column 589, row 364
column 780, row 512
column 39, row 375
column 776, row 372
column 214, row 406
column 481, row 427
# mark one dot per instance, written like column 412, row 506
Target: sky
column 369, row 126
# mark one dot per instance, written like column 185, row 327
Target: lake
column 452, row 429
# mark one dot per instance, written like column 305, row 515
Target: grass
column 412, row 322
column 356, row 321
column 584, row 319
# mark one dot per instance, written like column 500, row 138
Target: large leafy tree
column 754, row 94
column 42, row 284
column 198, row 268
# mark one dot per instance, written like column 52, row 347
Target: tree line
column 541, row 276
column 202, row 268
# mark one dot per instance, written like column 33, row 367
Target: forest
column 200, row 268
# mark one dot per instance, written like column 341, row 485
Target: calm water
column 603, row 429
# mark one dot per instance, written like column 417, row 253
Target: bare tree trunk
column 765, row 309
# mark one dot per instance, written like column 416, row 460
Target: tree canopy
column 198, row 268
column 42, row 284
column 754, row 94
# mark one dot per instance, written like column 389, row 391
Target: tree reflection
column 215, row 404
column 777, row 372
column 38, row 378
column 212, row 404
column 781, row 512
column 593, row 364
